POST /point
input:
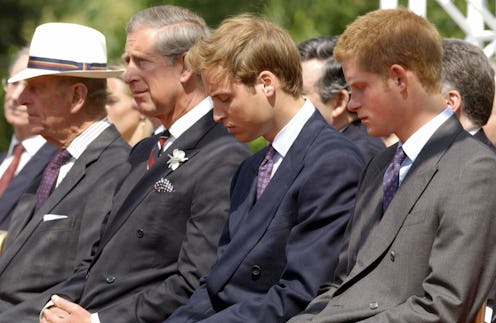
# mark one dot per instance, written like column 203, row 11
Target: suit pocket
column 65, row 224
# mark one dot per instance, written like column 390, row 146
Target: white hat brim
column 34, row 72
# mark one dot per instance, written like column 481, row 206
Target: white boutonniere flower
column 178, row 157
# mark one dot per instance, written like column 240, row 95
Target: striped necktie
column 157, row 148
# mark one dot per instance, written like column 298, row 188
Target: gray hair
column 332, row 80
column 179, row 27
column 466, row 69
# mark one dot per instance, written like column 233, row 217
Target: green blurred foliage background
column 303, row 19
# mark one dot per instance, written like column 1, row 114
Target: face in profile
column 48, row 100
column 243, row 110
column 15, row 113
column 121, row 108
column 153, row 80
column 373, row 100
column 312, row 70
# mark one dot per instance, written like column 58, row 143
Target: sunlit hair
column 244, row 46
column 179, row 28
column 467, row 70
column 385, row 37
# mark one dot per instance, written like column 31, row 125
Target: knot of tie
column 391, row 177
column 50, row 176
column 158, row 148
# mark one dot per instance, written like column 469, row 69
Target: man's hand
column 64, row 311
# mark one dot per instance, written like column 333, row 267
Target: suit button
column 373, row 305
column 392, row 255
column 256, row 271
column 110, row 279
column 140, row 233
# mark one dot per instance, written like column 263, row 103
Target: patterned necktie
column 392, row 177
column 157, row 149
column 10, row 171
column 264, row 171
column 50, row 176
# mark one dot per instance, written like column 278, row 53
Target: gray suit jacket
column 429, row 257
column 39, row 254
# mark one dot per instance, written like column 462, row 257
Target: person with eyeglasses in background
column 28, row 154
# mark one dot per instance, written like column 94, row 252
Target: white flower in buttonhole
column 178, row 157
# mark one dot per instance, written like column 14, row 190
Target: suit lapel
column 30, row 173
column 144, row 185
column 371, row 186
column 256, row 220
column 77, row 172
column 418, row 178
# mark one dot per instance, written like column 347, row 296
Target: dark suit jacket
column 275, row 252
column 31, row 172
column 158, row 242
column 40, row 254
column 481, row 136
column 369, row 146
column 430, row 257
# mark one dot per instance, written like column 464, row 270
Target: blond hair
column 244, row 46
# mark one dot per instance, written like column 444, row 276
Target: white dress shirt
column 31, row 146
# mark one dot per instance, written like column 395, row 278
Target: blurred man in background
column 28, row 154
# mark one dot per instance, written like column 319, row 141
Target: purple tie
column 264, row 171
column 392, row 177
column 50, row 176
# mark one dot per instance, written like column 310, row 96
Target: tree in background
column 303, row 19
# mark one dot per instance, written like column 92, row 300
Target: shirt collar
column 79, row 144
column 287, row 135
column 413, row 145
column 473, row 132
column 191, row 117
column 31, row 145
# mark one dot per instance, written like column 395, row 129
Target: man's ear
column 79, row 93
column 454, row 100
column 186, row 73
column 268, row 81
column 341, row 99
column 398, row 76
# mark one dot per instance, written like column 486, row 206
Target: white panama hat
column 67, row 50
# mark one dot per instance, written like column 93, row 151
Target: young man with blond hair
column 291, row 201
column 423, row 229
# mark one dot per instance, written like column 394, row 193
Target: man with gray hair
column 468, row 85
column 324, row 84
column 161, row 235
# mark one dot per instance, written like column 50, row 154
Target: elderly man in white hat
column 59, row 217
